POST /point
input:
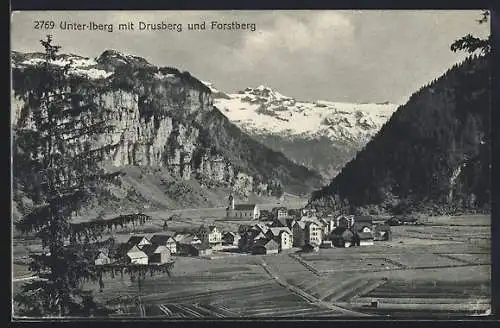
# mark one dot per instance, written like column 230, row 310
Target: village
column 279, row 230
column 285, row 259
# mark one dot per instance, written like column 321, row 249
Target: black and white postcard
column 251, row 164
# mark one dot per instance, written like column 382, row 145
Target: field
column 232, row 287
column 424, row 271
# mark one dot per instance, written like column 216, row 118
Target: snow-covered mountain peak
column 263, row 110
column 263, row 93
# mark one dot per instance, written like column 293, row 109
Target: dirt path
column 310, row 298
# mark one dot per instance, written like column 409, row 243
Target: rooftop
column 244, row 207
column 160, row 239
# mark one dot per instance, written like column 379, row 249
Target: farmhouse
column 283, row 236
column 165, row 240
column 210, row 236
column 265, row 246
column 242, row 211
column 362, row 230
column 157, row 253
column 184, row 244
column 231, row 239
column 199, row 250
column 99, row 257
column 136, row 256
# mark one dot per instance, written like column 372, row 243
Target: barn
column 263, row 247
column 136, row 256
column 157, row 253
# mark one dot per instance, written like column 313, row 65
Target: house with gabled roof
column 157, row 253
column 265, row 246
column 99, row 257
column 210, row 235
column 136, row 256
column 199, row 250
column 165, row 240
column 230, row 238
column 282, row 235
column 363, row 230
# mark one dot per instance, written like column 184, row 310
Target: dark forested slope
column 432, row 155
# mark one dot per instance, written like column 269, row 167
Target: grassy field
column 231, row 287
column 434, row 270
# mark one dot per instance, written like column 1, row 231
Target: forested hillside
column 433, row 155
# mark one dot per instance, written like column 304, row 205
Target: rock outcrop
column 163, row 118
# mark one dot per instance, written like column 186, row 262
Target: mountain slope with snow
column 322, row 135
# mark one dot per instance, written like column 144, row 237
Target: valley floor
column 435, row 270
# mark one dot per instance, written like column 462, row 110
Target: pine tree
column 472, row 44
column 57, row 166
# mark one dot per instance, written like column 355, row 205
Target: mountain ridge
column 164, row 118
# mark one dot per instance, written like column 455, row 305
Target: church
column 242, row 211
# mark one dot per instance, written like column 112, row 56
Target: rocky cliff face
column 160, row 119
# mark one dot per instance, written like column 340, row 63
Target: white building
column 242, row 211
column 314, row 233
column 136, row 256
column 283, row 236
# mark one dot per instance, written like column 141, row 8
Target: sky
column 348, row 56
